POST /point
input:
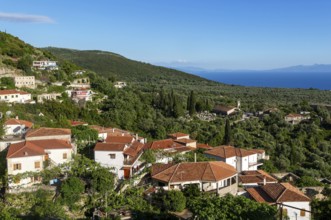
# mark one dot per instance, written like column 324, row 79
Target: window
column 37, row 164
column 112, row 156
column 65, row 156
column 302, row 212
column 17, row 166
column 16, row 96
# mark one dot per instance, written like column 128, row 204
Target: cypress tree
column 227, row 135
column 191, row 103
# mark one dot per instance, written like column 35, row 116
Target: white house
column 294, row 203
column 32, row 156
column 14, row 96
column 215, row 176
column 45, row 65
column 239, row 158
column 48, row 133
column 48, row 96
column 25, row 81
column 120, row 85
column 15, row 126
column 121, row 153
column 224, row 110
column 296, row 118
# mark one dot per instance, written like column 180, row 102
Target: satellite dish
column 8, row 113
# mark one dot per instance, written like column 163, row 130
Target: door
column 127, row 173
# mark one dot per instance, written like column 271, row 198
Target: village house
column 15, row 96
column 48, row 96
column 81, row 94
column 104, row 133
column 81, row 83
column 34, row 156
column 296, row 118
column 224, row 110
column 253, row 178
column 14, row 126
column 239, row 158
column 122, row 153
column 25, row 81
column 48, row 133
column 120, row 85
column 45, row 65
column 293, row 202
column 177, row 143
column 215, row 176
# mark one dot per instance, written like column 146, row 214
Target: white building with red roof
column 239, row 158
column 15, row 126
column 215, row 176
column 30, row 156
column 121, row 153
column 294, row 203
column 15, row 96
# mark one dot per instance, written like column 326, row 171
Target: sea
column 304, row 80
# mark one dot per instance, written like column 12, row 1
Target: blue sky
column 227, row 34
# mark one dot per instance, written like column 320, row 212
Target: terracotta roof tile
column 185, row 141
column 12, row 91
column 13, row 121
column 278, row 192
column 229, row 151
column 259, row 195
column 119, row 139
column 177, row 135
column 204, row 146
column 200, row 171
column 109, row 146
column 48, row 132
column 34, row 148
column 255, row 176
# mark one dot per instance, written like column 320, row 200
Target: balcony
column 256, row 163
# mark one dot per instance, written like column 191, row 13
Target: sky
column 211, row 34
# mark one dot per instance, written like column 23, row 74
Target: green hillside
column 113, row 65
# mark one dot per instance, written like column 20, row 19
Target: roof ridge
column 280, row 196
column 174, row 171
column 212, row 170
column 204, row 172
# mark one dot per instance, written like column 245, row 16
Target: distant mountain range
column 316, row 68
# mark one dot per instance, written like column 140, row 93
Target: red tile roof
column 12, row 91
column 119, row 139
column 134, row 149
column 162, row 144
column 200, row 171
column 177, row 135
column 48, row 132
column 229, row 151
column 185, row 141
column 293, row 115
column 277, row 192
column 13, row 121
column 255, row 176
column 35, row 148
column 76, row 123
column 101, row 129
column 109, row 146
column 204, row 146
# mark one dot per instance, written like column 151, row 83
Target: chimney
column 113, row 130
column 195, row 157
column 264, row 180
column 16, row 117
column 137, row 137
